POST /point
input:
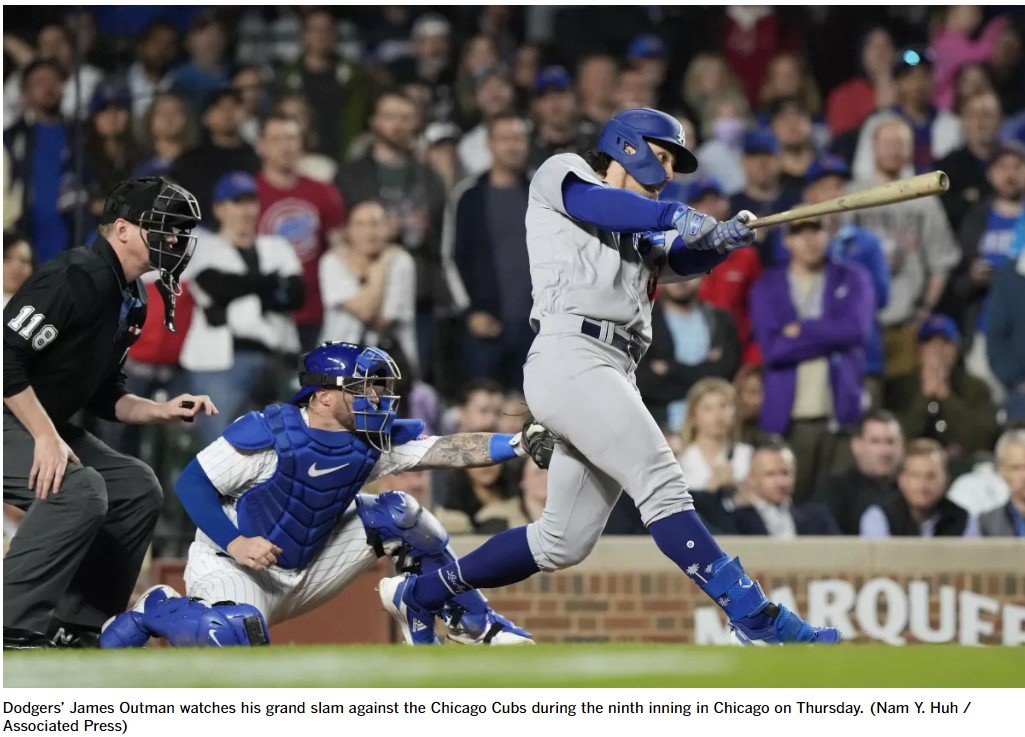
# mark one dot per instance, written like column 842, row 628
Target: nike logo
column 315, row 472
column 213, row 637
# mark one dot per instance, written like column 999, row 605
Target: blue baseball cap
column 761, row 141
column 647, row 46
column 701, row 185
column 107, row 95
column 234, row 185
column 939, row 326
column 827, row 166
column 552, row 78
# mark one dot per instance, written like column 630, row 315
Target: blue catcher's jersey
column 317, row 476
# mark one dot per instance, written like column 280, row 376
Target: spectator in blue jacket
column 812, row 320
column 486, row 224
column 1005, row 330
column 825, row 180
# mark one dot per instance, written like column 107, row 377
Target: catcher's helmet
column 355, row 369
column 636, row 126
column 163, row 210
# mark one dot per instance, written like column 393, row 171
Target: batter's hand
column 49, row 462
column 257, row 553
column 536, row 441
column 173, row 411
column 732, row 234
column 693, row 226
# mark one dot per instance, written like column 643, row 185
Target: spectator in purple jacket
column 812, row 320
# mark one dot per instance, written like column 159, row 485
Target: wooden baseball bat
column 924, row 185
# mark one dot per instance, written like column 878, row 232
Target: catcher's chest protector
column 318, row 475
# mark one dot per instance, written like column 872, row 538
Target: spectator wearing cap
column 440, row 151
column 791, row 122
column 728, row 286
column 763, row 193
column 431, row 63
column 339, row 93
column 111, row 150
column 41, row 175
column 966, row 167
column 167, row 131
column 959, row 42
column 812, row 320
column 649, row 54
column 150, row 74
column 1005, row 330
column 206, row 70
column 307, row 213
column 414, row 197
column 486, row 235
column 826, row 180
column 556, row 126
column 919, row 245
column 596, row 76
column 222, row 150
column 935, row 132
column 245, row 286
column 53, row 42
column 940, row 400
column 690, row 341
column 988, row 243
column 851, row 103
column 922, row 508
column 494, row 96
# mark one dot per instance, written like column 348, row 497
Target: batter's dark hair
column 598, row 160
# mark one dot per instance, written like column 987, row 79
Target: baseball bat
column 924, row 185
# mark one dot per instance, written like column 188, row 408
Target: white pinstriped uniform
column 278, row 593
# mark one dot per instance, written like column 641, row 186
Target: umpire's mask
column 167, row 213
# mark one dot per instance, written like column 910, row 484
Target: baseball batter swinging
column 599, row 241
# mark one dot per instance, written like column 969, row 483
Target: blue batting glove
column 731, row 234
column 694, row 227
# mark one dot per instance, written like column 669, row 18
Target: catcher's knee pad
column 188, row 622
column 395, row 516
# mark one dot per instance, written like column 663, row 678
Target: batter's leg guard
column 186, row 622
column 753, row 618
column 469, row 619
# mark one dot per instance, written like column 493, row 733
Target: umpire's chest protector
column 318, row 474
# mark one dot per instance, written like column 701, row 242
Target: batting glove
column 731, row 234
column 693, row 227
column 536, row 441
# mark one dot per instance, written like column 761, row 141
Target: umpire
column 90, row 510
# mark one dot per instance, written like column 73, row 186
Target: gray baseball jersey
column 578, row 269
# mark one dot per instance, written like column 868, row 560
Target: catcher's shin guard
column 752, row 616
column 185, row 622
column 396, row 517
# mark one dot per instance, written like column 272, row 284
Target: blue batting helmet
column 635, row 127
column 369, row 374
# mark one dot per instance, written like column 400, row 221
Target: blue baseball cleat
column 486, row 628
column 127, row 629
column 774, row 624
column 415, row 623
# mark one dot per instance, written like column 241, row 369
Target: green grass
column 539, row 666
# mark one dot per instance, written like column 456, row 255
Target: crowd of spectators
column 363, row 175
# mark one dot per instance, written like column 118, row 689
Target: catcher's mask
column 369, row 374
column 167, row 214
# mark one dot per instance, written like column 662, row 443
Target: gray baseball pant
column 77, row 554
column 584, row 391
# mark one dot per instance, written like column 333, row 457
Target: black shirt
column 66, row 333
column 200, row 169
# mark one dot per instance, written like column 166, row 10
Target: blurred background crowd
column 363, row 176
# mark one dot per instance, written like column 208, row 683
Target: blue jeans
column 231, row 390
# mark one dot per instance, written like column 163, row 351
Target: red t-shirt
column 727, row 288
column 303, row 215
column 156, row 344
column 849, row 105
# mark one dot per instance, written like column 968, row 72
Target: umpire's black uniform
column 76, row 556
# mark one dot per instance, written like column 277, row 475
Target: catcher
column 282, row 527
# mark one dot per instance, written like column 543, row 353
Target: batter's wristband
column 500, row 449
